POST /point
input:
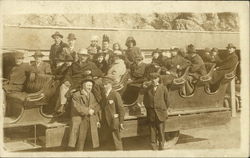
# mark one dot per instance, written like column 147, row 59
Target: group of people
column 87, row 76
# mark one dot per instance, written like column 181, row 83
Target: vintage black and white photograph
column 114, row 78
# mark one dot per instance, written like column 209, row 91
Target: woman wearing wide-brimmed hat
column 56, row 49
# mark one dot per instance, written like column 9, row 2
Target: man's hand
column 121, row 126
column 98, row 125
column 91, row 111
column 67, row 84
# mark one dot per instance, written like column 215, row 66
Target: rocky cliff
column 166, row 21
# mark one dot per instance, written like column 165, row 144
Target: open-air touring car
column 195, row 110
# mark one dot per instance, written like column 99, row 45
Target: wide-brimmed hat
column 230, row 45
column 107, row 79
column 57, row 34
column 88, row 78
column 157, row 50
column 191, row 48
column 38, row 53
column 83, row 51
column 130, row 39
column 71, row 36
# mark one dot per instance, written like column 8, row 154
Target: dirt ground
column 200, row 138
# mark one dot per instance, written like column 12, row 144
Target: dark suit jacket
column 156, row 103
column 198, row 67
column 55, row 51
column 76, row 72
column 112, row 104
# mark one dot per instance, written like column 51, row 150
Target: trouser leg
column 153, row 135
column 84, row 127
column 161, row 136
column 117, row 140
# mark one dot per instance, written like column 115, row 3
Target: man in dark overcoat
column 112, row 115
column 156, row 103
column 84, row 117
column 56, row 49
column 226, row 65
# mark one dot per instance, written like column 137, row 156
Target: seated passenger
column 197, row 68
column 215, row 55
column 117, row 69
column 39, row 66
column 206, row 55
column 101, row 63
column 177, row 63
column 62, row 65
column 71, row 46
column 105, row 49
column 94, row 48
column 137, row 71
column 118, row 52
column 225, row 66
column 132, row 51
column 157, row 57
column 18, row 75
column 74, row 76
column 56, row 49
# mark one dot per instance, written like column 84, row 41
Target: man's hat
column 139, row 57
column 57, row 34
column 71, row 36
column 230, row 45
column 88, row 78
column 191, row 48
column 100, row 54
column 157, row 50
column 106, row 80
column 214, row 50
column 130, row 38
column 105, row 38
column 83, row 51
column 38, row 53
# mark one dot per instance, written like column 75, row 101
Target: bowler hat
column 130, row 38
column 71, row 36
column 57, row 34
column 88, row 78
column 230, row 45
column 191, row 48
column 38, row 53
column 83, row 51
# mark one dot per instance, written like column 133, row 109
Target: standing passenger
column 132, row 51
column 156, row 103
column 84, row 117
column 71, row 46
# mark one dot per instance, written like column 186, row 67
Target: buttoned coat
column 79, row 111
column 156, row 103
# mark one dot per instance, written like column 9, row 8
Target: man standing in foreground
column 112, row 115
column 84, row 117
column 156, row 103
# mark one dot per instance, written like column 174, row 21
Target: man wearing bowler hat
column 227, row 64
column 84, row 117
column 39, row 66
column 112, row 115
column 156, row 103
column 75, row 74
column 71, row 46
column 56, row 49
